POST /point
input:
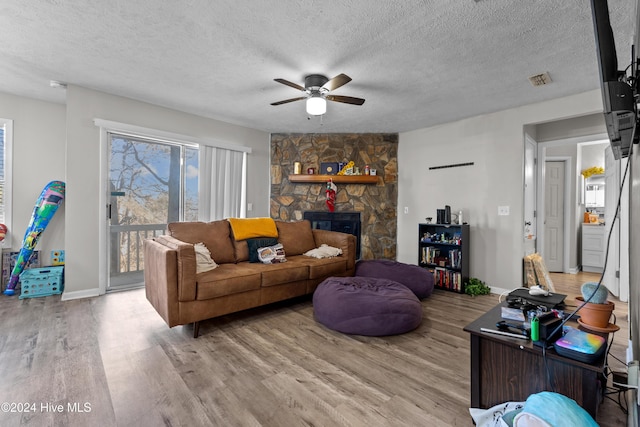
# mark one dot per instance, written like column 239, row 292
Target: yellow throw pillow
column 249, row 228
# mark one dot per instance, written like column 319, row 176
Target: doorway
column 150, row 183
column 564, row 251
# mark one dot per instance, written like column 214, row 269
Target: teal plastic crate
column 41, row 282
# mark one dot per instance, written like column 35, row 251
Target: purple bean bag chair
column 418, row 279
column 366, row 306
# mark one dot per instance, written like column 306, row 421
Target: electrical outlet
column 406, row 209
column 249, row 207
column 503, row 210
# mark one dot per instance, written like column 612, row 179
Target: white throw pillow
column 324, row 251
column 272, row 254
column 203, row 258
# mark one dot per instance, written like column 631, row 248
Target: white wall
column 38, row 158
column 592, row 155
column 83, row 213
column 495, row 143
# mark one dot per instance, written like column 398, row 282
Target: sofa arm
column 169, row 276
column 185, row 264
column 336, row 239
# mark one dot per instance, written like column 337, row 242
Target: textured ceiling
column 416, row 62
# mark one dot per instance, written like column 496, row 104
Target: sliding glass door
column 151, row 183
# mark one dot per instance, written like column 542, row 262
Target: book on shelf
column 447, row 279
column 455, row 259
column 433, row 255
column 429, row 254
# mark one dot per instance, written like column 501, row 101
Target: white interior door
column 554, row 215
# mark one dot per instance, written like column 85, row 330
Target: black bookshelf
column 443, row 249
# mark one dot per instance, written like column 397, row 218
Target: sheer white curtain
column 222, row 183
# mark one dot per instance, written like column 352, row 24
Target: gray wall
column 573, row 127
column 592, row 155
column 38, row 158
column 83, row 219
column 52, row 141
column 67, row 145
column 495, row 143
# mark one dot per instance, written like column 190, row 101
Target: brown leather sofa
column 181, row 296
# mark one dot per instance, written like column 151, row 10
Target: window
column 149, row 185
column 6, row 136
column 152, row 181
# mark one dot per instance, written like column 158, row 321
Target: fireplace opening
column 344, row 222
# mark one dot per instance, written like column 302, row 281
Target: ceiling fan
column 317, row 88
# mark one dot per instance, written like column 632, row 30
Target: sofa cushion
column 215, row 235
column 227, row 279
column 279, row 274
column 296, row 236
column 241, row 250
column 320, row 268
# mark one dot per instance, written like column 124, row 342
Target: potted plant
column 475, row 287
column 597, row 311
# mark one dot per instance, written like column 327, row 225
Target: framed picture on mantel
column 328, row 168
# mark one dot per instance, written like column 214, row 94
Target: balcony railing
column 127, row 255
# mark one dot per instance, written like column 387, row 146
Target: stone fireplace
column 376, row 204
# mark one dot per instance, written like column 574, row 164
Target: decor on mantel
column 331, row 195
column 374, row 197
column 338, row 179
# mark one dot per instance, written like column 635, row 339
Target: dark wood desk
column 507, row 369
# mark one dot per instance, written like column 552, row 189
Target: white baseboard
column 574, row 270
column 87, row 293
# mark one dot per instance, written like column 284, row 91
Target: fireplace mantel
column 338, row 179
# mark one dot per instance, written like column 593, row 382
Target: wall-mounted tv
column 618, row 91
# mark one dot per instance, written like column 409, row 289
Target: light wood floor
column 273, row 366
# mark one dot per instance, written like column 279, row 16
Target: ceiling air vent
column 540, row 79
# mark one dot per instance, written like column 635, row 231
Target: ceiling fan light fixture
column 316, row 105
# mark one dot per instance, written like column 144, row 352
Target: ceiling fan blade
column 346, row 99
column 288, row 83
column 336, row 82
column 288, row 100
